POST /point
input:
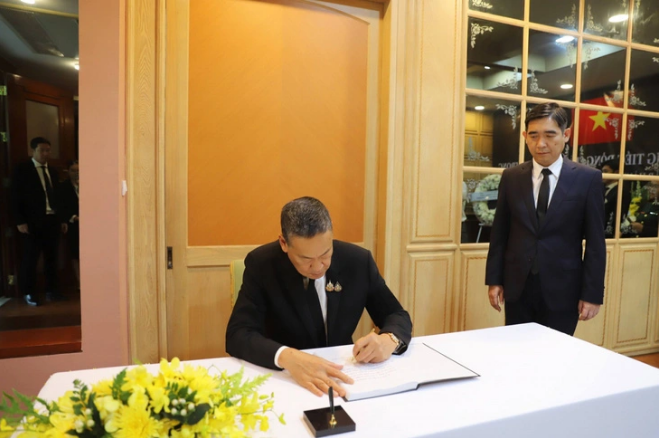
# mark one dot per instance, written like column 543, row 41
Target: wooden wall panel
column 280, row 114
column 475, row 311
column 637, row 264
column 435, row 172
column 431, row 280
column 208, row 311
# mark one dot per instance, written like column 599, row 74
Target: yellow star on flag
column 599, row 119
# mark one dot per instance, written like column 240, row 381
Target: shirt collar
column 38, row 164
column 555, row 168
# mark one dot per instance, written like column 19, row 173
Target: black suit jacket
column 28, row 195
column 271, row 310
column 68, row 201
column 576, row 212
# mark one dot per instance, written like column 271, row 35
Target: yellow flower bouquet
column 178, row 402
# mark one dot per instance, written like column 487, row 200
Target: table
column 535, row 382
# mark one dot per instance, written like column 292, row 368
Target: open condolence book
column 419, row 365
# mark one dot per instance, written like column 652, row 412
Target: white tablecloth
column 535, row 382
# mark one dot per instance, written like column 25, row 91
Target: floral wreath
column 483, row 212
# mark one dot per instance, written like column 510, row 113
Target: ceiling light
column 76, row 66
column 566, row 86
column 619, row 18
column 479, row 108
column 487, row 67
column 565, row 39
column 29, row 2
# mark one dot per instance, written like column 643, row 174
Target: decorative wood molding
column 144, row 288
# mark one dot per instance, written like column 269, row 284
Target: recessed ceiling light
column 29, row 2
column 619, row 18
column 479, row 108
column 487, row 67
column 566, row 86
column 565, row 39
column 76, row 66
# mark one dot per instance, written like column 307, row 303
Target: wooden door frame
column 147, row 129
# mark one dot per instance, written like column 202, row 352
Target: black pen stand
column 319, row 421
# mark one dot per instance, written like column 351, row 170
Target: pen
column 332, row 421
column 354, row 358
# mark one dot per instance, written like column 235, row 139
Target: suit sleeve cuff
column 282, row 348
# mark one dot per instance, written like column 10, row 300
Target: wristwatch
column 397, row 341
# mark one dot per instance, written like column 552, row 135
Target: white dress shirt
column 553, row 178
column 40, row 172
column 319, row 285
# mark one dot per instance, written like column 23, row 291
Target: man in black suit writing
column 546, row 207
column 307, row 290
column 35, row 213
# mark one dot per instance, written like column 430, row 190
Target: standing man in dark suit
column 307, row 290
column 546, row 207
column 69, row 210
column 35, row 212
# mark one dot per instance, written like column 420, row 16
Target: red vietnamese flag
column 600, row 126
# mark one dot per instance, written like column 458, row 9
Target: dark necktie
column 543, row 197
column 316, row 312
column 49, row 186
column 541, row 210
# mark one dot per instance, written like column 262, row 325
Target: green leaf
column 117, row 383
column 199, row 412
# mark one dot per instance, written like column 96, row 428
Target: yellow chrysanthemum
column 138, row 399
column 200, row 381
column 62, row 421
column 148, row 395
column 65, row 403
column 5, row 429
column 103, row 388
column 54, row 433
column 135, row 422
column 106, row 406
column 168, row 370
column 30, row 434
column 159, row 399
column 32, row 424
column 137, row 378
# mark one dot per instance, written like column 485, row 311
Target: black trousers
column 42, row 238
column 531, row 307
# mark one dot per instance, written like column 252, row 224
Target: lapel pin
column 338, row 287
column 329, row 287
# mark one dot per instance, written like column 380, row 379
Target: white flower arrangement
column 483, row 212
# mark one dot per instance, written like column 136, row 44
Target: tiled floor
column 15, row 314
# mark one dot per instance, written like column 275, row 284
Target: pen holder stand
column 318, row 421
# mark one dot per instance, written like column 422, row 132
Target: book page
column 419, row 364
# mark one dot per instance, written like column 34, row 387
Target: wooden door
column 33, row 109
column 266, row 101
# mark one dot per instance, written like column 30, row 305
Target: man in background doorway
column 35, row 213
column 545, row 209
column 70, row 212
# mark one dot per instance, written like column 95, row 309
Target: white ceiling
column 59, row 20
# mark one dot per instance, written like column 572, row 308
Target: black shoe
column 54, row 296
column 31, row 301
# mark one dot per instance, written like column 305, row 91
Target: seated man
column 307, row 290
